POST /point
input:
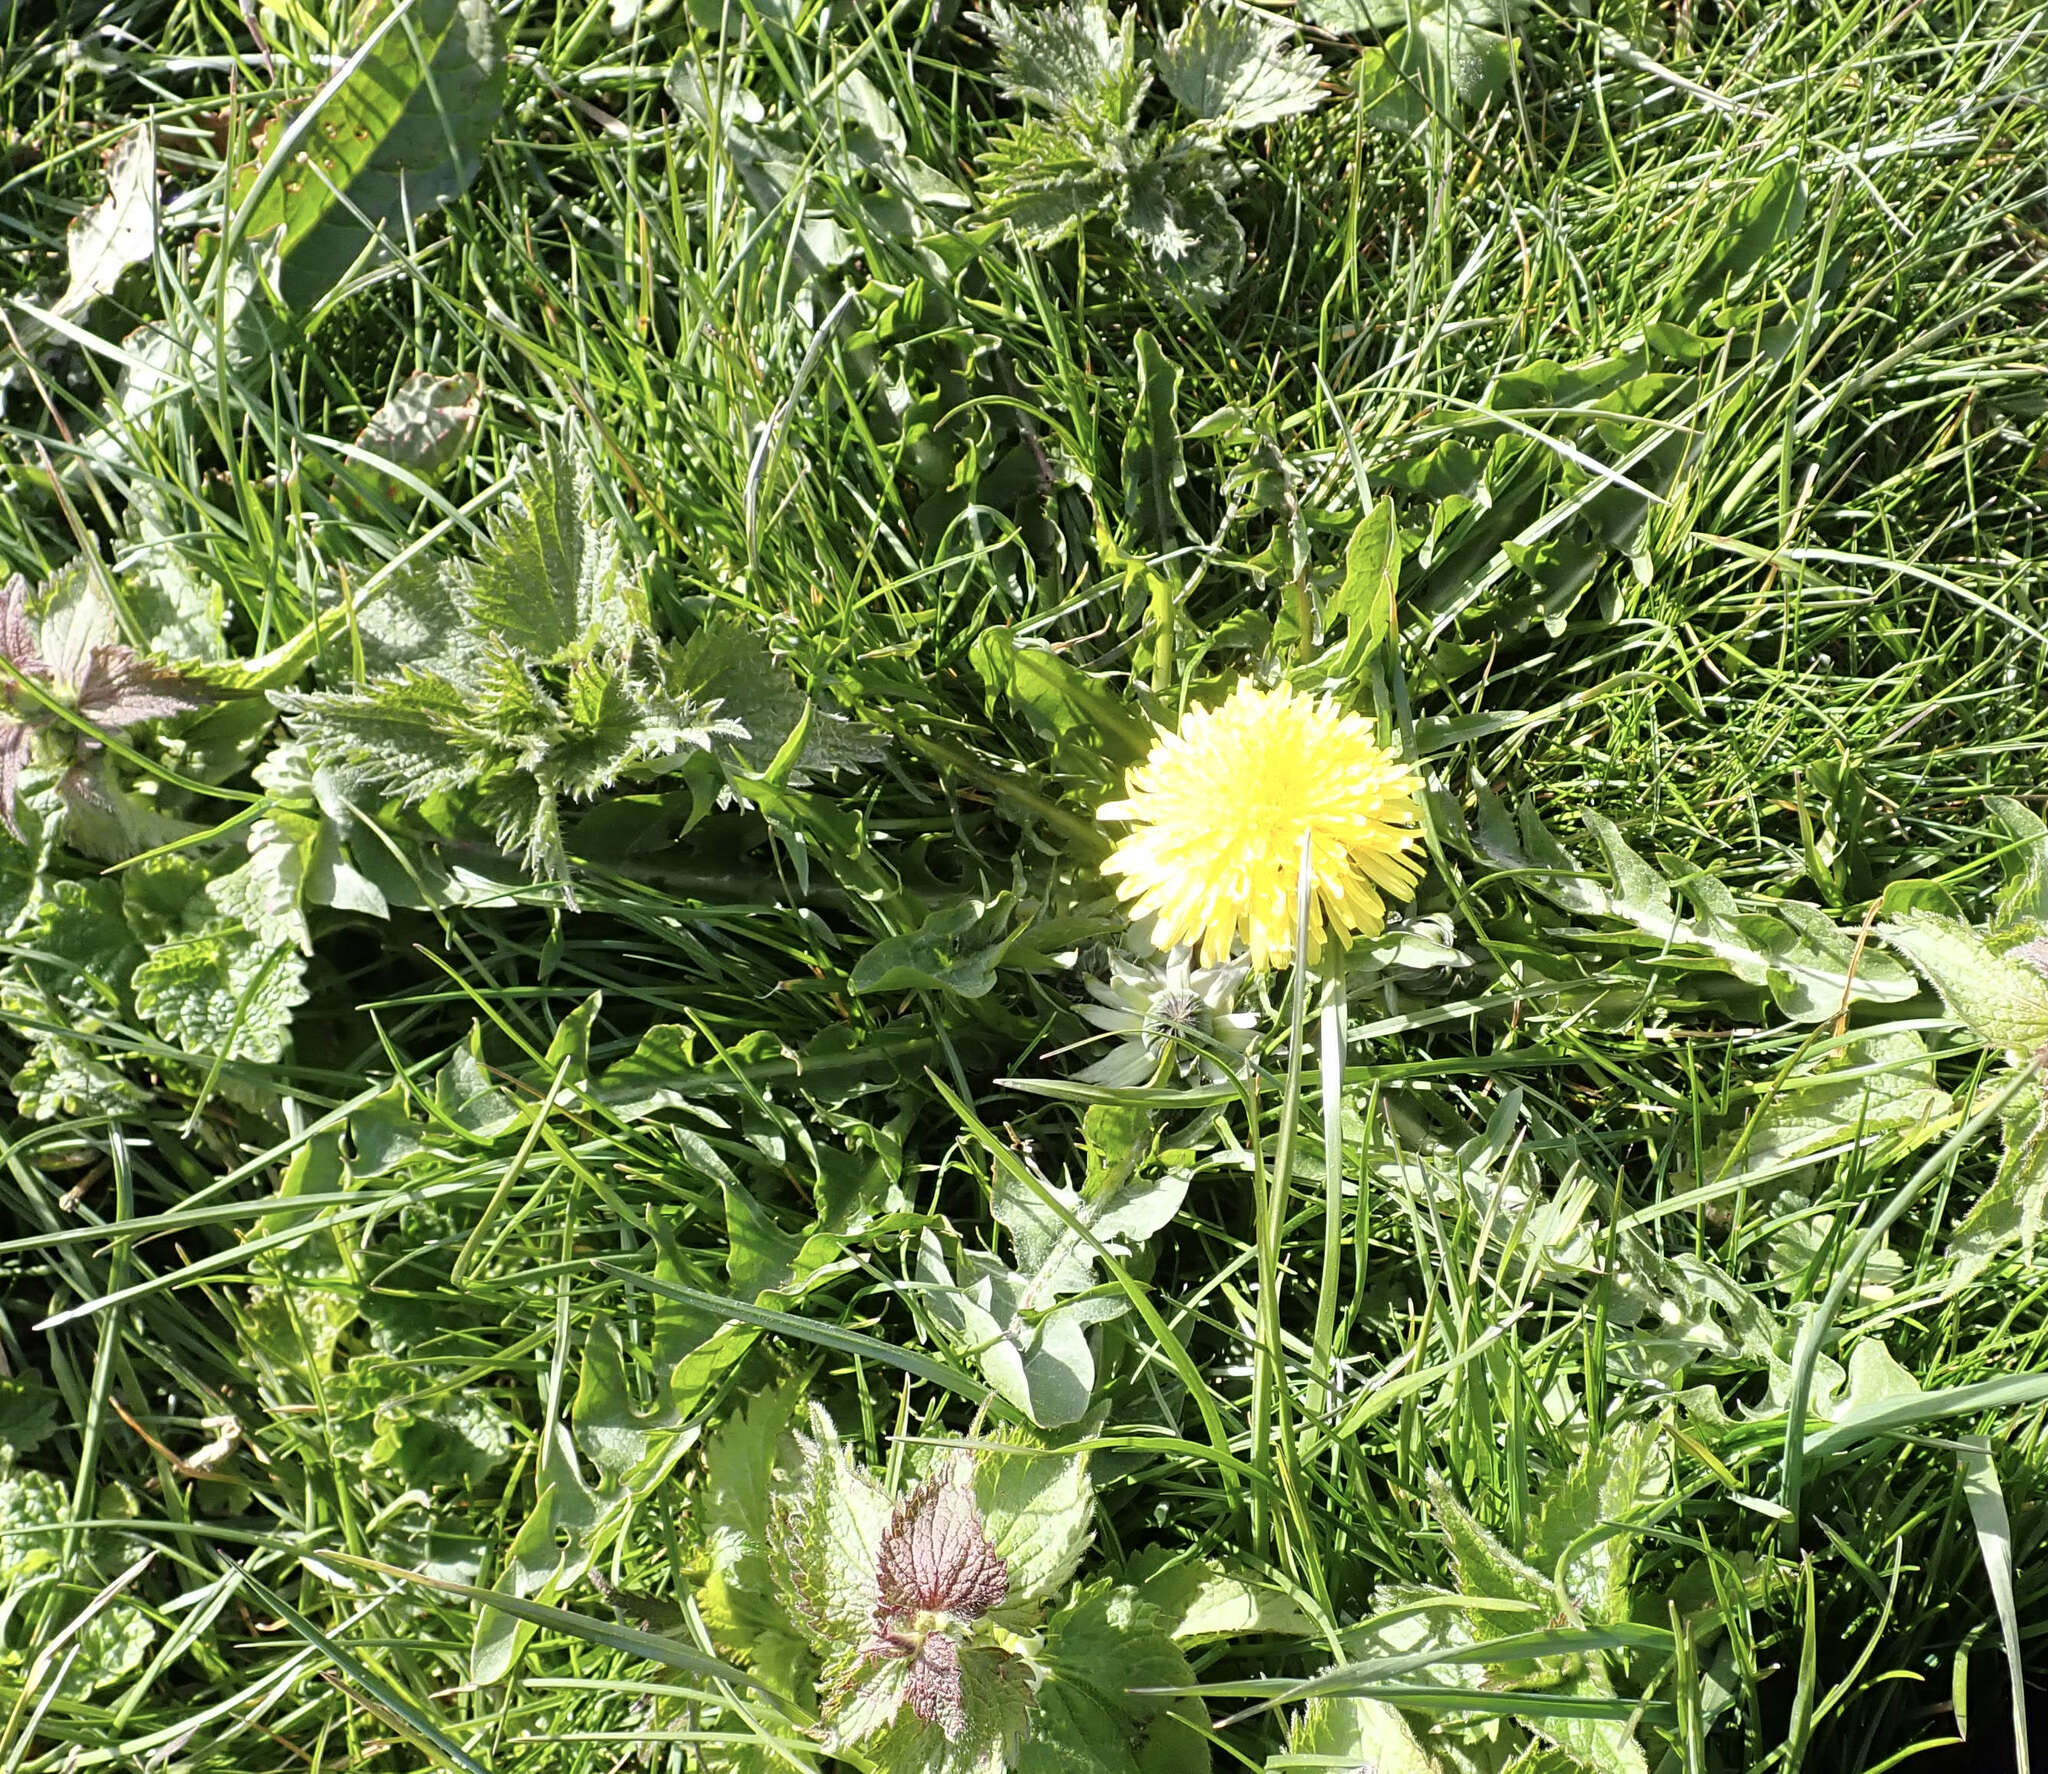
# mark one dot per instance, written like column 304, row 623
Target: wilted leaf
column 425, row 424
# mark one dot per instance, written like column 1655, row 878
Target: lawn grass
column 267, row 1315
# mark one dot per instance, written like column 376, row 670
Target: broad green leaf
column 1199, row 1600
column 71, row 957
column 1449, row 56
column 736, row 1590
column 28, row 1414
column 1618, row 1480
column 1351, row 1733
column 397, row 130
column 2000, row 997
column 1232, row 67
column 1078, row 712
column 2015, row 1207
column 223, row 991
column 1882, row 1084
column 1089, row 1720
column 550, row 578
column 1754, row 227
column 1364, row 602
column 956, row 949
column 1024, row 1325
column 33, row 1511
column 424, row 426
column 1810, row 967
column 1039, row 1509
column 64, row 1079
column 2023, row 902
column 826, row 1522
column 1154, row 467
column 465, row 1094
column 112, row 1644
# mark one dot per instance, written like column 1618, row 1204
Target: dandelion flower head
column 1218, row 812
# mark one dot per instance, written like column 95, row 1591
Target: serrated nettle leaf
column 1072, row 58
column 1487, row 1569
column 2023, row 902
column 1811, row 967
column 726, row 670
column 1235, row 68
column 2015, row 1207
column 1173, row 208
column 1038, row 1507
column 1046, row 178
column 550, row 577
column 1102, row 1652
column 1619, row 1479
column 398, row 130
column 408, row 736
column 827, row 1518
column 2001, row 996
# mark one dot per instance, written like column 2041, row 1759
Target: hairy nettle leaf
column 1161, row 187
column 529, row 674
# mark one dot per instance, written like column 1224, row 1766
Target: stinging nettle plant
column 529, row 674
column 1084, row 154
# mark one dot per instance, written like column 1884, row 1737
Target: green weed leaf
column 398, row 131
column 1999, row 995
column 1232, row 68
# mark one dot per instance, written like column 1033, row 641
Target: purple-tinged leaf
column 938, row 1557
column 14, row 750
column 934, row 1690
column 120, row 688
column 17, row 634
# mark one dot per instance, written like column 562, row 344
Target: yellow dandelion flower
column 1218, row 812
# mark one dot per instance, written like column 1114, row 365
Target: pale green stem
column 1330, row 1055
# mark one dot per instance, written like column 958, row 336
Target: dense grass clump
column 595, row 1175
